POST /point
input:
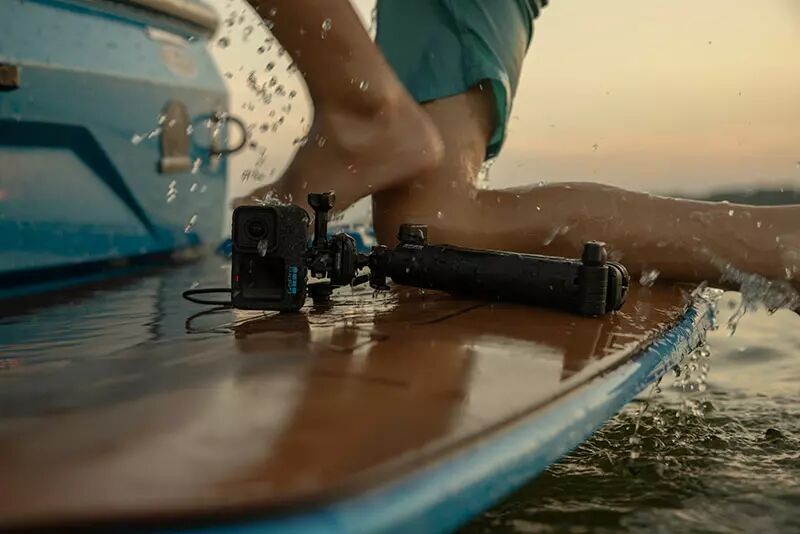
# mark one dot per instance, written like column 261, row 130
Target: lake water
column 722, row 460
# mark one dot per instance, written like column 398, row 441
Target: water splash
column 483, row 174
column 759, row 292
column 327, row 24
column 270, row 198
column 263, row 247
column 555, row 232
column 190, row 224
column 649, row 277
column 137, row 138
column 172, row 191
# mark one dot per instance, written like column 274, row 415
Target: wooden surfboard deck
column 404, row 410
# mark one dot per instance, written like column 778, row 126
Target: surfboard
column 404, row 410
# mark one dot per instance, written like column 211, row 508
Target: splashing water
column 190, row 224
column 263, row 247
column 483, row 174
column 327, row 24
column 270, row 198
column 172, row 191
column 649, row 277
column 138, row 138
column 555, row 232
column 757, row 292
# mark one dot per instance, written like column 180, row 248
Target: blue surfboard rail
column 450, row 492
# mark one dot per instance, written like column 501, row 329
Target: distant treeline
column 759, row 197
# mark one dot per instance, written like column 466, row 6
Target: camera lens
column 256, row 229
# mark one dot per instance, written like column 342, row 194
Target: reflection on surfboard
column 296, row 408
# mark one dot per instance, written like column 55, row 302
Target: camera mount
column 272, row 259
column 589, row 286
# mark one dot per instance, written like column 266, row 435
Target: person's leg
column 684, row 240
column 367, row 133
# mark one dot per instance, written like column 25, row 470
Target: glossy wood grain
column 253, row 413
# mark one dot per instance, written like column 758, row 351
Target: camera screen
column 255, row 229
column 262, row 278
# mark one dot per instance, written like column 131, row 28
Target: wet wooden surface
column 253, row 412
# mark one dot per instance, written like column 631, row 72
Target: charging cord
column 189, row 295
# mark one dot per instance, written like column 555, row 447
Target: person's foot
column 358, row 152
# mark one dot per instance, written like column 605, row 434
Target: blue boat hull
column 82, row 184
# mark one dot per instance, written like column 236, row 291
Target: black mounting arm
column 589, row 286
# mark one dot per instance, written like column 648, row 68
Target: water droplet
column 223, row 42
column 595, row 147
column 190, row 224
column 730, row 213
column 273, row 11
column 364, row 85
column 758, row 224
column 649, row 277
column 203, row 188
column 136, row 139
column 172, row 191
column 193, row 187
column 246, row 32
column 261, row 49
column 270, row 66
column 263, row 246
column 439, row 215
column 327, row 24
column 321, row 141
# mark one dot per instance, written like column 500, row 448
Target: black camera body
column 268, row 264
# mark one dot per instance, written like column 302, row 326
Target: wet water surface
column 723, row 460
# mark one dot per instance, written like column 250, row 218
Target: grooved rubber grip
column 523, row 278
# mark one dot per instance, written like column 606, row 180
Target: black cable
column 189, row 295
column 215, row 330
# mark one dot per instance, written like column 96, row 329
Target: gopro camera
column 268, row 263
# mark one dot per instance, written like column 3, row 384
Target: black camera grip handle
column 590, row 286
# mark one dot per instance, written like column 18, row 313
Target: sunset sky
column 662, row 96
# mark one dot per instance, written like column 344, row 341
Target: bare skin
column 368, row 134
column 682, row 239
column 421, row 164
